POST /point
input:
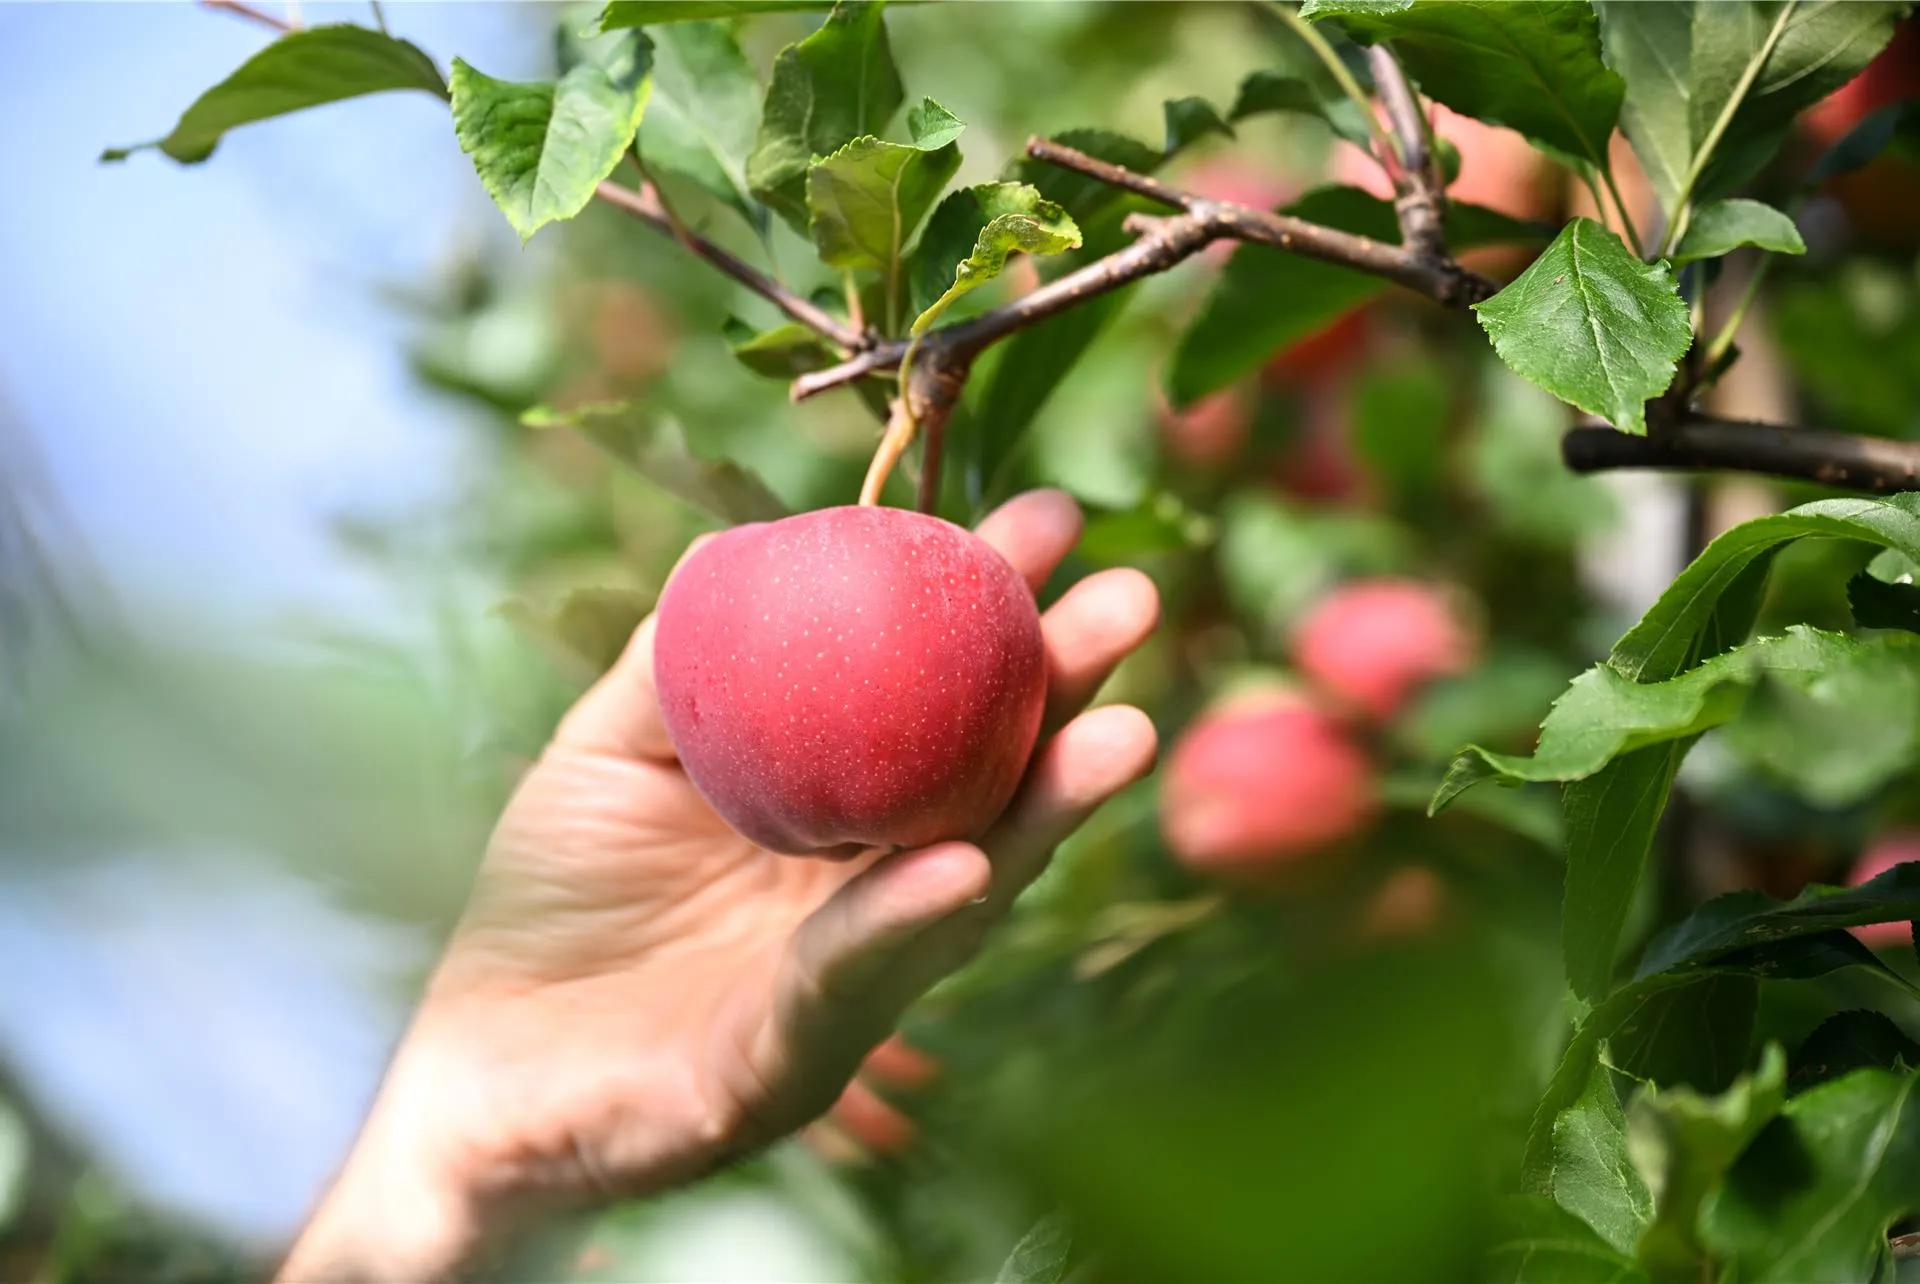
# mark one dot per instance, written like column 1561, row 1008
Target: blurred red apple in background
column 1212, row 431
column 1261, row 779
column 1373, row 643
column 851, row 678
column 1881, row 196
column 1883, row 854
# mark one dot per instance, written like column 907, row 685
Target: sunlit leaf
column 838, row 84
column 299, row 70
column 971, row 236
column 620, row 14
column 541, row 148
column 700, row 123
column 1721, row 227
column 865, row 201
column 1592, row 324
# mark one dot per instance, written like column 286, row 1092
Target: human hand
column 636, row 994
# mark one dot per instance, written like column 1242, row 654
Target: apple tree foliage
column 1685, row 1087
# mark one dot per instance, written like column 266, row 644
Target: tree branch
column 1420, row 199
column 1876, row 465
column 250, row 14
column 646, row 206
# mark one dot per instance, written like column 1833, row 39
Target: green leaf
column 1667, row 638
column 1041, row 1255
column 620, row 14
column 970, row 237
column 1274, row 91
column 705, row 111
column 1814, row 1195
column 653, row 448
column 1611, row 816
column 1696, row 1034
column 1538, row 1242
column 1592, row 324
column 1879, row 605
column 1682, row 62
column 1629, row 1013
column 1084, row 198
column 1849, row 1041
column 1189, row 120
column 1266, row 299
column 780, row 353
column 1724, row 226
column 1605, row 713
column 1744, row 920
column 542, row 148
column 838, row 84
column 585, row 634
column 299, row 70
column 1592, row 1176
column 866, row 199
column 1533, row 67
column 1683, row 1143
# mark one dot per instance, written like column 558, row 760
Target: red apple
column 1883, row 854
column 851, row 678
column 1261, row 780
column 1373, row 643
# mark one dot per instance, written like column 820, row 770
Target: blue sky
column 199, row 352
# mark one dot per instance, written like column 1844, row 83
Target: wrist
column 403, row 1207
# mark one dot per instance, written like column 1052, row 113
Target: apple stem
column 893, row 444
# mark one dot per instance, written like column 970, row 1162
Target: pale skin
column 636, row 995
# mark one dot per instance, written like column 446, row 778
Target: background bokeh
column 288, row 595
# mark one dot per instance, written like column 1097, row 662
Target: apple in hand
column 1883, row 854
column 851, row 678
column 1375, row 642
column 1261, row 779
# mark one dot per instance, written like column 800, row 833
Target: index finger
column 1034, row 532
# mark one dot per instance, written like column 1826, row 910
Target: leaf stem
column 1383, row 146
column 1683, row 203
column 1723, row 341
column 1620, row 204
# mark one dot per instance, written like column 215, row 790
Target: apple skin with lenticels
column 851, row 678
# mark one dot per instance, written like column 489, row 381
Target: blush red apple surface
column 851, row 678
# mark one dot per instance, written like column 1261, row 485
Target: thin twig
column 645, row 205
column 1877, row 465
column 250, row 14
column 1329, row 59
column 379, row 17
column 1420, row 200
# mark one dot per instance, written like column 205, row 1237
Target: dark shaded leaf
column 1533, row 66
column 1849, row 1041
column 1879, row 605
